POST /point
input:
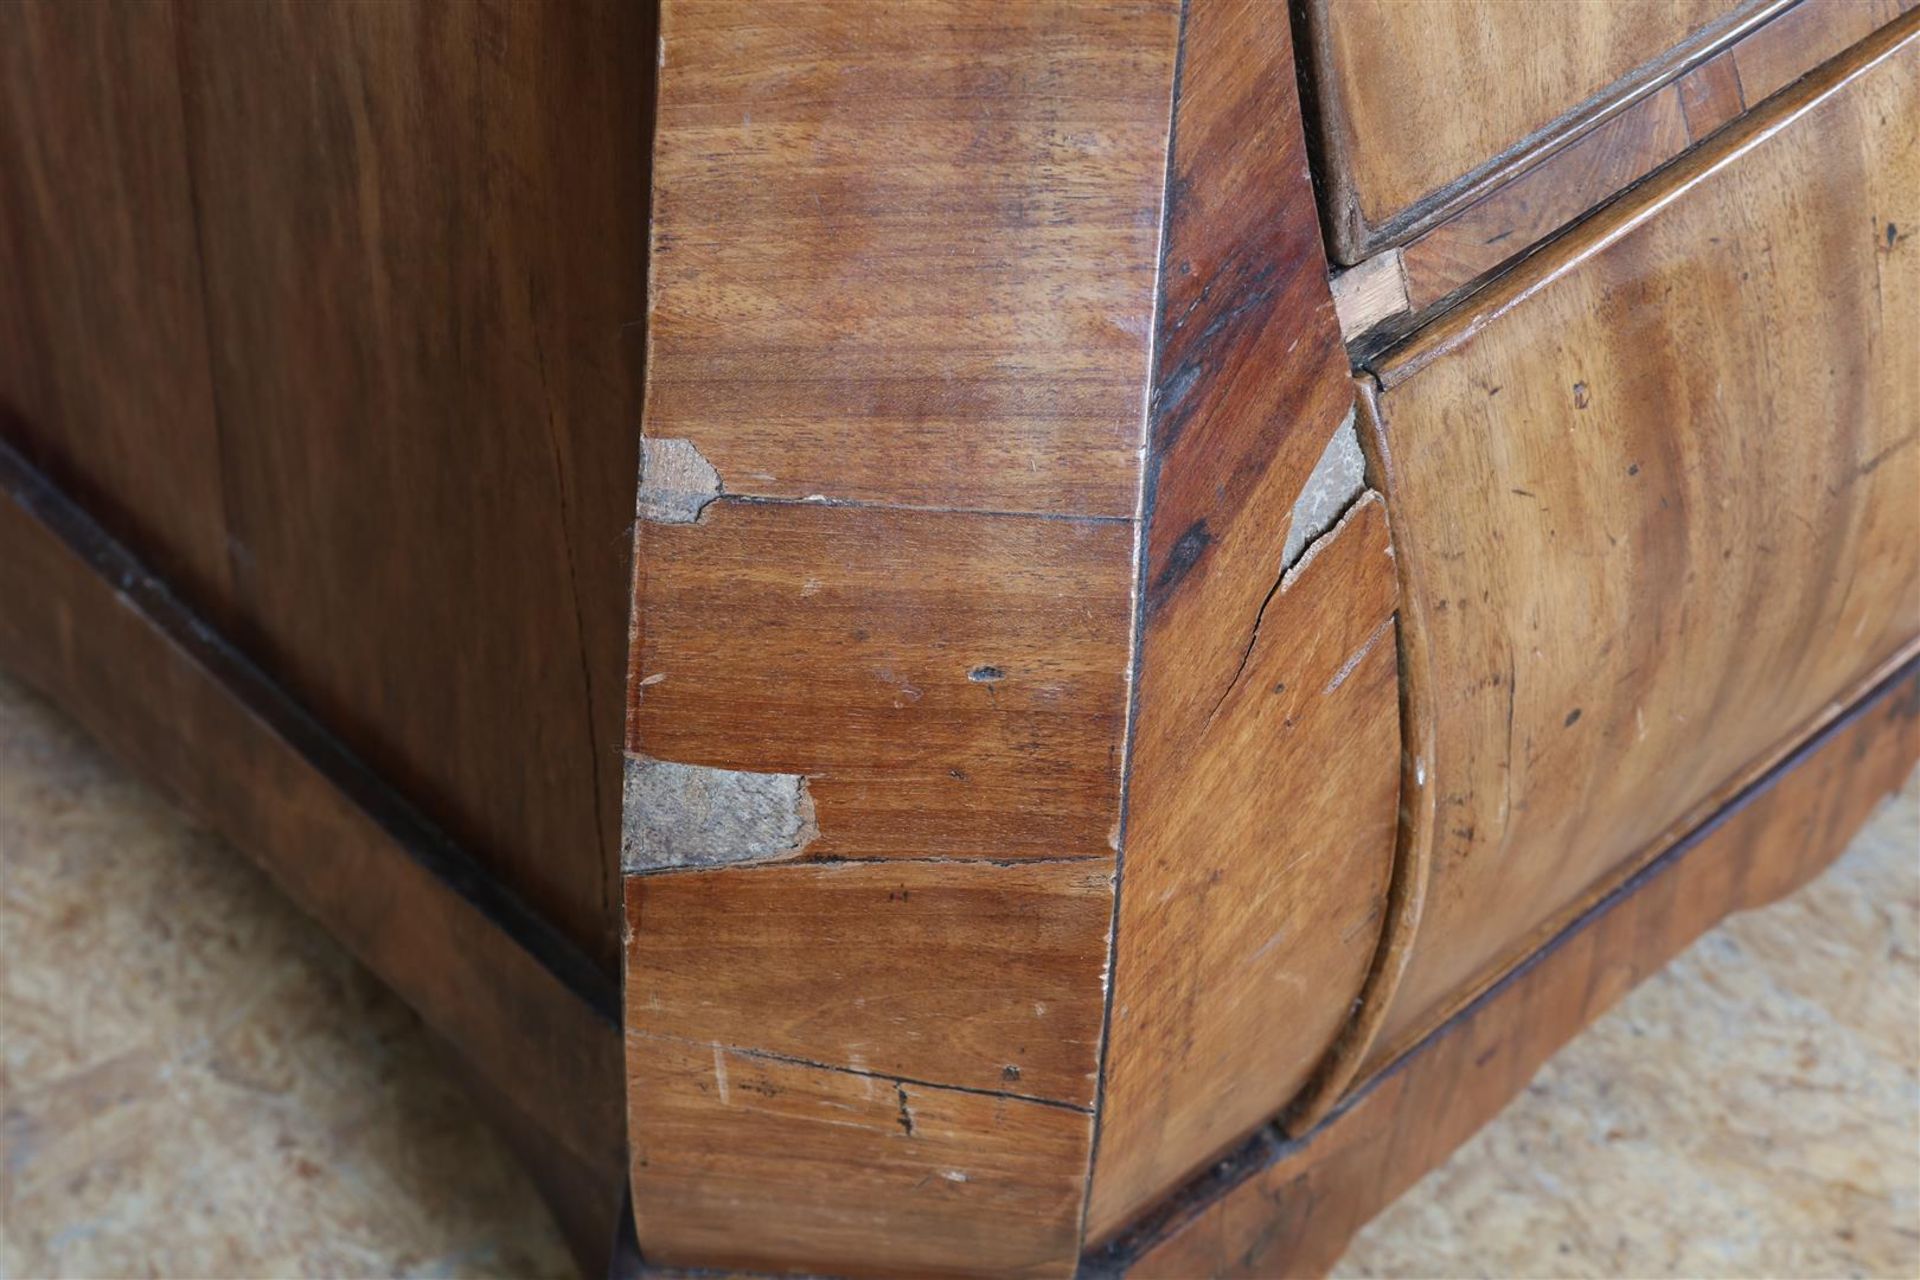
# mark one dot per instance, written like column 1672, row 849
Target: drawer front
column 1656, row 499
column 1418, row 96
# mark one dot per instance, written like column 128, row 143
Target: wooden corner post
column 1012, row 741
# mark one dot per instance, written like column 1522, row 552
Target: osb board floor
column 195, row 1082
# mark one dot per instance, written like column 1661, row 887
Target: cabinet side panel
column 424, row 240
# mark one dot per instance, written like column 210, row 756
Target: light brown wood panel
column 1289, row 1208
column 900, row 345
column 1257, row 879
column 977, row 975
column 752, row 1162
column 862, row 292
column 423, row 230
column 1710, row 94
column 1535, row 202
column 1689, row 433
column 1514, row 217
column 103, row 331
column 1419, row 101
column 1222, row 999
column 950, row 684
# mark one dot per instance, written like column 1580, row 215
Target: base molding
column 1290, row 1207
column 532, row 1023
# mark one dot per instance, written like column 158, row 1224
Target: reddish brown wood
column 862, row 288
column 1710, row 94
column 887, row 555
column 1262, row 783
column 951, row 684
column 884, row 1177
column 1517, row 215
column 422, row 235
column 1805, row 36
column 1289, row 1208
column 324, row 308
column 1254, row 887
column 1424, row 108
column 971, row 974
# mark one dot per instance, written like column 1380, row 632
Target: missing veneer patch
column 689, row 815
column 676, row 483
column 1331, row 487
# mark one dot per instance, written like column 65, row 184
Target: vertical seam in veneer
column 1143, row 523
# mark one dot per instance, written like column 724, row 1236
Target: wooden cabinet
column 1423, row 100
column 1135, row 730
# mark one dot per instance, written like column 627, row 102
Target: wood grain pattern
column 1369, row 293
column 950, row 684
column 968, row 974
column 861, row 290
column 103, row 334
column 1420, row 104
column 1412, row 841
column 1710, row 93
column 751, row 1162
column 1693, row 425
column 900, row 337
column 322, row 308
column 1257, row 883
column 1222, row 997
column 1525, row 210
column 1290, row 1208
column 420, row 246
column 1537, row 201
column 1803, row 37
column 534, row 1019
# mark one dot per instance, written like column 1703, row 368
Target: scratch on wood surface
column 1357, row 657
column 688, row 815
